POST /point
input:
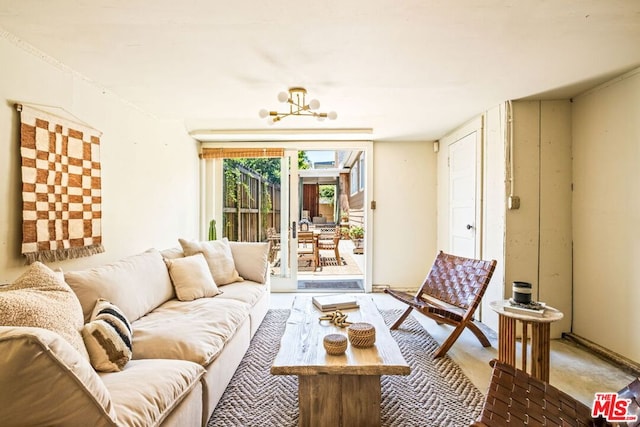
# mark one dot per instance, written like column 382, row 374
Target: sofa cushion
column 251, row 260
column 108, row 337
column 39, row 298
column 195, row 330
column 45, row 381
column 172, row 253
column 219, row 258
column 136, row 284
column 146, row 391
column 247, row 292
column 191, row 277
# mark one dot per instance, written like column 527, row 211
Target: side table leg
column 507, row 340
column 525, row 344
column 540, row 350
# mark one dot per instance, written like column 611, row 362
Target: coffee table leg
column 339, row 400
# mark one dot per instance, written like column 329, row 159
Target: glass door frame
column 211, row 178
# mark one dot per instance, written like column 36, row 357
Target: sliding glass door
column 304, row 205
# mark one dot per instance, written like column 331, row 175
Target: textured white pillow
column 192, row 278
column 39, row 298
column 108, row 337
column 218, row 256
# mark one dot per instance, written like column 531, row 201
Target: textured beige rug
column 436, row 393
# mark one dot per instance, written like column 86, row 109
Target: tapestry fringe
column 63, row 254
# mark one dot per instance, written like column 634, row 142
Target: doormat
column 330, row 284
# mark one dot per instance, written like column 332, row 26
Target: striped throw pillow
column 108, row 337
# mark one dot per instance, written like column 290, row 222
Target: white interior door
column 462, row 196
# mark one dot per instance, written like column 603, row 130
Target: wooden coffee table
column 337, row 390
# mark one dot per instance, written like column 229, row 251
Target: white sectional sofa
column 184, row 353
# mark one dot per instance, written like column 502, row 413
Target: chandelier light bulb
column 283, row 97
column 263, row 113
column 314, row 104
column 332, row 115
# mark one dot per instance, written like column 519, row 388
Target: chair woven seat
column 450, row 294
column 515, row 398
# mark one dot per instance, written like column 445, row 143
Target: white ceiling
column 408, row 69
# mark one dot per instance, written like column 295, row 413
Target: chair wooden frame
column 330, row 241
column 308, row 247
column 450, row 294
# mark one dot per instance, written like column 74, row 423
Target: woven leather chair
column 515, row 398
column 450, row 294
column 632, row 392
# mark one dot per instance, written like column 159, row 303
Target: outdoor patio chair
column 274, row 243
column 308, row 247
column 450, row 294
column 329, row 240
column 515, row 398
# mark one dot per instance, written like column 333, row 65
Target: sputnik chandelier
column 298, row 106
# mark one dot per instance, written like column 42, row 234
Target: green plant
column 356, row 232
column 212, row 230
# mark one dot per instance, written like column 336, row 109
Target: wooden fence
column 251, row 205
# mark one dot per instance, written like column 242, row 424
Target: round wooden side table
column 540, row 337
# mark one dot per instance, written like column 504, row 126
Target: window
column 353, row 179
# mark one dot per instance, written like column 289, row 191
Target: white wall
column 149, row 167
column 606, row 214
column 538, row 234
column 405, row 217
column 494, row 196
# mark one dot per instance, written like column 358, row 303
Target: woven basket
column 335, row 344
column 362, row 335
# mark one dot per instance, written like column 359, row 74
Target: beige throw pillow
column 39, row 298
column 192, row 278
column 218, row 256
column 251, row 260
column 108, row 337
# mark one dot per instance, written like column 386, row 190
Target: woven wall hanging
column 61, row 187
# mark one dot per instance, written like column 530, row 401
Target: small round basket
column 362, row 335
column 335, row 344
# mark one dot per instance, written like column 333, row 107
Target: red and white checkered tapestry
column 61, row 187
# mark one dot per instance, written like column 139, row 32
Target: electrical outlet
column 514, row 202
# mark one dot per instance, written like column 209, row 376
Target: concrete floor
column 573, row 369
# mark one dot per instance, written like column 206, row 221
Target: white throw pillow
column 192, row 278
column 108, row 337
column 218, row 256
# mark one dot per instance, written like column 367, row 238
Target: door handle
column 294, row 229
column 469, row 226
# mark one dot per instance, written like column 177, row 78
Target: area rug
column 330, row 284
column 436, row 393
column 328, row 266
